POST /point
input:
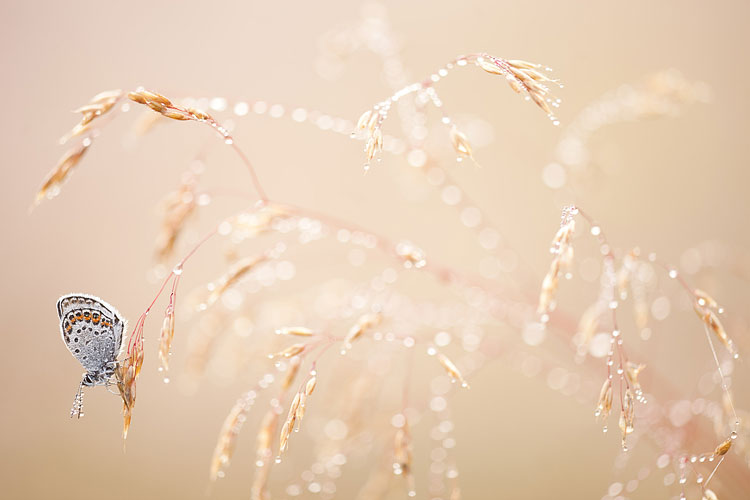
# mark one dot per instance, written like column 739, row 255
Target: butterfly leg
column 77, row 409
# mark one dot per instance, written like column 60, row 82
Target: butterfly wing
column 91, row 329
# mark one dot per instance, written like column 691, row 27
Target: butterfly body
column 92, row 331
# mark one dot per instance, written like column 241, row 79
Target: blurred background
column 668, row 184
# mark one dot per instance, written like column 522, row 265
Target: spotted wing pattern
column 91, row 329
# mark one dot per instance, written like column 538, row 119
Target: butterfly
column 92, row 331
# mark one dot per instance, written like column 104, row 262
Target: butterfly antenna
column 77, row 409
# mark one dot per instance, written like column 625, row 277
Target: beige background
column 681, row 181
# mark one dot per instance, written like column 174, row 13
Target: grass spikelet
column 126, row 374
column 99, row 105
column 310, row 385
column 627, row 417
column 177, row 207
column 248, row 225
column 235, row 274
column 263, row 448
column 264, row 452
column 288, row 427
column 168, row 109
column 704, row 299
column 299, row 331
column 723, row 448
column 165, row 338
column 411, row 255
column 588, row 324
column 461, row 144
column 562, row 260
column 604, row 406
column 712, row 322
column 291, row 373
column 363, row 324
column 402, row 457
column 51, row 184
column 292, row 350
column 709, row 495
column 522, row 76
column 228, row 437
column 632, row 371
column 451, row 369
